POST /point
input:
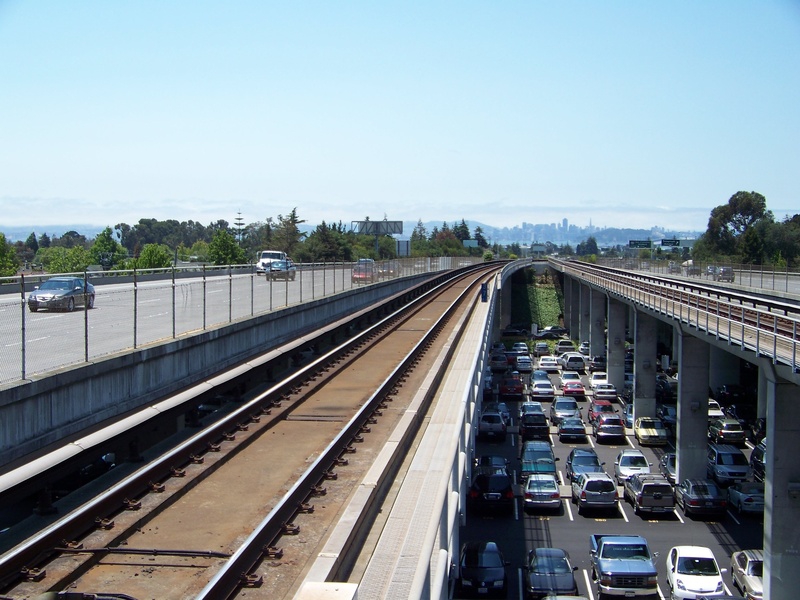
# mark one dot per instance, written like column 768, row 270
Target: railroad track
column 240, row 507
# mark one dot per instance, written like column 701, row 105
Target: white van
column 265, row 257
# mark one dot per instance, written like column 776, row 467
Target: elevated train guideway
column 713, row 324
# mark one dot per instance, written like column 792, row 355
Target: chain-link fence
column 132, row 309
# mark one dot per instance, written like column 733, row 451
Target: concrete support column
column 597, row 316
column 725, row 368
column 615, row 354
column 644, row 365
column 782, row 493
column 575, row 310
column 763, row 386
column 585, row 313
column 568, row 282
column 692, row 430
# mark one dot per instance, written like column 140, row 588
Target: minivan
column 727, row 464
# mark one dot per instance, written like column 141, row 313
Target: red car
column 511, row 386
column 574, row 389
column 598, row 407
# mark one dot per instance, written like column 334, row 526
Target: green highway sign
column 639, row 243
column 673, row 243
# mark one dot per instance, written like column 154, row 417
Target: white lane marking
column 734, row 518
column 622, row 511
column 568, row 505
column 588, row 584
column 677, row 514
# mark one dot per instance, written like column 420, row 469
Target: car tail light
column 638, row 499
column 724, row 503
column 528, row 496
column 510, row 494
column 473, row 494
column 555, row 495
column 583, row 495
column 694, row 503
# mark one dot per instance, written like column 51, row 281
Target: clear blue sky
column 630, row 114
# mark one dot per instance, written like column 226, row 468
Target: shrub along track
column 171, row 542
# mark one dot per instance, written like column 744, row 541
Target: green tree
column 106, row 250
column 153, row 256
column 728, row 222
column 8, row 258
column 480, row 238
column 32, row 242
column 287, row 235
column 223, row 249
column 58, row 259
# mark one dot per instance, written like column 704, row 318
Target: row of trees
column 158, row 244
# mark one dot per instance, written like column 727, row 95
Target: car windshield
column 586, row 459
column 691, row 565
column 57, row 284
column 738, row 459
column 570, row 405
column 632, row 551
column 633, row 461
column 600, row 485
column 650, row 423
column 751, row 488
column 550, row 564
column 572, row 423
column 756, row 567
column 544, row 485
column 705, row 489
column 482, row 559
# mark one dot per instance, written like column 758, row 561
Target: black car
column 758, row 460
column 62, row 293
column 572, row 428
column 744, row 413
column 533, row 426
column 549, row 572
column 482, row 570
column 491, row 489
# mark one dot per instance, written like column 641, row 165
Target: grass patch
column 536, row 299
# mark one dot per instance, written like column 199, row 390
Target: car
column 726, row 464
column 649, row 493
column 541, row 349
column 540, row 375
column 597, row 407
column 714, row 410
column 520, row 347
column 492, row 461
column 669, row 417
column 364, row 271
column 491, row 489
column 700, row 496
column 530, row 407
column 597, row 377
column 482, row 570
column 282, row 269
column 563, row 346
column 726, row 274
column 650, row 431
column 511, row 386
column 597, row 363
column 608, row 426
column 524, row 364
column 747, row 572
column 491, row 425
column 594, row 490
column 548, row 571
column 533, row 426
column 541, row 491
column 605, row 391
column 584, row 348
column 62, row 293
column 692, row 571
column 536, row 456
column 265, row 258
column 562, row 408
column 572, row 361
column 574, row 389
column 569, row 376
column 498, row 363
column 542, row 390
column 743, row 412
column 582, row 460
column 516, row 330
column 668, row 466
column 629, row 462
column 552, row 332
column 389, row 268
column 712, row 271
column 726, row 431
column 571, row 428
column 500, row 407
column 746, row 497
column 549, row 364
column 758, row 460
column 666, row 390
column 673, row 267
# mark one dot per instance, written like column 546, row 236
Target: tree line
column 151, row 243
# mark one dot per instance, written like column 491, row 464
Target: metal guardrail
column 138, row 308
column 767, row 326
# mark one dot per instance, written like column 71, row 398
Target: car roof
column 596, row 475
column 630, row 452
column 578, row 451
column 752, row 553
column 699, row 551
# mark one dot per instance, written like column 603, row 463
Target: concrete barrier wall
column 42, row 411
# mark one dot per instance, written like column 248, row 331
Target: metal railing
column 139, row 308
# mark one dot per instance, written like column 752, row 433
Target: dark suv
column 758, row 459
column 533, row 426
column 725, row 274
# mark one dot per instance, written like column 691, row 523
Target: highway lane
column 125, row 317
